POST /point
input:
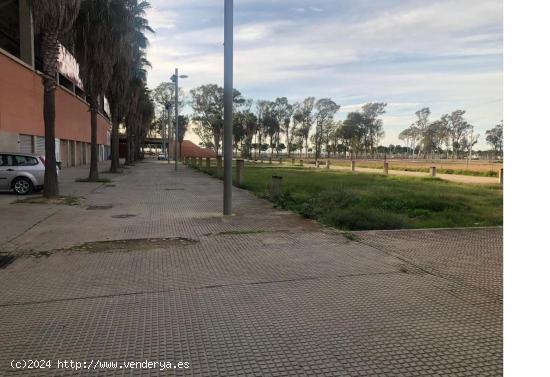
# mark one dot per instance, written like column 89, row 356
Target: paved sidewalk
column 146, row 268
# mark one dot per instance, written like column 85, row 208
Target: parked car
column 22, row 172
column 162, row 156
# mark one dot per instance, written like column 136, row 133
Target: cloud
column 445, row 54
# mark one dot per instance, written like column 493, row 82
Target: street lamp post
column 175, row 79
column 227, row 106
column 168, row 132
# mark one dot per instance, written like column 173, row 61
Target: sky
column 441, row 54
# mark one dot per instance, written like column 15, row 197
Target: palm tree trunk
column 49, row 47
column 94, row 172
column 114, row 143
column 128, row 160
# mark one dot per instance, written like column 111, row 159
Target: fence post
column 240, row 173
column 317, row 164
column 328, row 164
column 280, row 161
column 433, row 171
column 501, row 176
column 352, row 165
column 301, row 162
column 275, row 187
column 270, row 160
column 293, row 161
column 386, row 167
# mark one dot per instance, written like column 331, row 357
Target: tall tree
column 96, row 55
column 495, row 137
column 207, row 103
column 458, row 128
column 351, row 133
column 284, row 116
column 326, row 109
column 129, row 34
column 305, row 117
column 52, row 19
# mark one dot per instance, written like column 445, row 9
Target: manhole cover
column 5, row 260
column 97, row 207
column 123, row 216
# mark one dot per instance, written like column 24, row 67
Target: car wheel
column 22, row 186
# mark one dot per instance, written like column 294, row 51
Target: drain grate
column 5, row 260
column 99, row 207
column 123, row 216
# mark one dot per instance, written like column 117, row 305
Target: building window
column 9, row 27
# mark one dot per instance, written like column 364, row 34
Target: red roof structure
column 190, row 149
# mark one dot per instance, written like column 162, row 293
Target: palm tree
column 138, row 76
column 137, row 85
column 52, row 19
column 95, row 29
column 132, row 27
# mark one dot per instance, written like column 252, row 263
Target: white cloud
column 445, row 54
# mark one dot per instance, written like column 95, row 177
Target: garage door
column 25, row 143
column 40, row 145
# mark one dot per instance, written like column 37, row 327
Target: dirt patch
column 133, row 245
column 237, row 232
column 99, row 207
column 123, row 216
column 62, row 200
column 5, row 260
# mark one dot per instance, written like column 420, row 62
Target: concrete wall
column 21, row 98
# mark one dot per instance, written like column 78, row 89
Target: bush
column 363, row 219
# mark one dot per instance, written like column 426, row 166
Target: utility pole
column 175, row 78
column 227, row 106
column 176, row 110
column 168, row 133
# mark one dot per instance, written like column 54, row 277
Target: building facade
column 21, row 95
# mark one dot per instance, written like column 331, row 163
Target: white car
column 21, row 172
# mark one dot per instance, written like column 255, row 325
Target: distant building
column 21, row 95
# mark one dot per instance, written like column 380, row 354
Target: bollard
column 433, row 171
column 280, row 161
column 501, row 176
column 200, row 162
column 293, row 161
column 208, row 162
column 386, row 168
column 301, row 162
column 240, row 173
column 219, row 166
column 275, row 187
column 328, row 164
column 317, row 164
column 352, row 165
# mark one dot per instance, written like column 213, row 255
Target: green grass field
column 351, row 201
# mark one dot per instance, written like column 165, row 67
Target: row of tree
column 451, row 134
column 280, row 127
column 277, row 126
column 108, row 39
